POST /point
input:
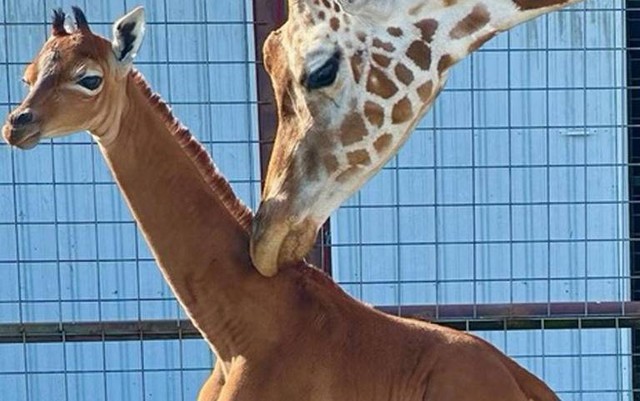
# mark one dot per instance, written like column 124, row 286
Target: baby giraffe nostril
column 23, row 118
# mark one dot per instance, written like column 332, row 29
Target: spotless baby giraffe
column 352, row 78
column 294, row 337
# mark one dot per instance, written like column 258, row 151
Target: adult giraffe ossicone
column 296, row 337
column 352, row 79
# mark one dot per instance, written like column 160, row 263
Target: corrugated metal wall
column 513, row 189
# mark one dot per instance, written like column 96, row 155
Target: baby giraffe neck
column 199, row 241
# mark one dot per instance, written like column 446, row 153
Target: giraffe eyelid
column 325, row 75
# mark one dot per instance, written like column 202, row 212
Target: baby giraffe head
column 352, row 78
column 76, row 81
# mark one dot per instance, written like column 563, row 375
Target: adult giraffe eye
column 325, row 75
column 91, row 82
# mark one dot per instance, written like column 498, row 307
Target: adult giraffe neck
column 192, row 221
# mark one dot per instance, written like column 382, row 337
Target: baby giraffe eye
column 24, row 81
column 325, row 75
column 91, row 82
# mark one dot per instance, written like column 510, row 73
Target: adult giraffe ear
column 128, row 32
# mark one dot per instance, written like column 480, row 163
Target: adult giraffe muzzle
column 352, row 79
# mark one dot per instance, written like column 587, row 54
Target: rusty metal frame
column 633, row 110
column 489, row 317
column 270, row 14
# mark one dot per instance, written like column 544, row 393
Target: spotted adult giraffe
column 296, row 337
column 352, row 79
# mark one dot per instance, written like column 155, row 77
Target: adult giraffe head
column 74, row 80
column 352, row 78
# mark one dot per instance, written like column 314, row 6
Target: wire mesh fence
column 508, row 213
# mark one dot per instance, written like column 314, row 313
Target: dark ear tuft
column 128, row 32
column 81, row 20
column 57, row 28
column 127, row 38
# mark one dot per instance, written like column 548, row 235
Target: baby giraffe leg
column 212, row 388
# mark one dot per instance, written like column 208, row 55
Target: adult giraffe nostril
column 24, row 118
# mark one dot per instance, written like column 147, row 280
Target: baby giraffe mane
column 198, row 155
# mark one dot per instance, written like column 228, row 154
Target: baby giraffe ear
column 128, row 32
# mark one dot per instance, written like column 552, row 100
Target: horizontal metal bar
column 97, row 331
column 540, row 129
column 569, row 310
column 487, row 317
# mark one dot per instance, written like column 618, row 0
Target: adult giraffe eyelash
column 325, row 75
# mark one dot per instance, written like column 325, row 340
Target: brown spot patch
column 308, row 19
column 357, row 66
column 477, row 19
column 330, row 163
column 402, row 111
column 420, row 53
column 335, row 23
column 321, row 15
column 404, row 74
column 534, row 4
column 346, row 175
column 386, row 46
column 286, row 107
column 480, row 41
column 353, row 129
column 425, row 90
column 449, row 3
column 380, row 84
column 310, row 164
column 381, row 60
column 427, row 29
column 336, row 7
column 382, row 143
column 326, row 3
column 394, row 31
column 445, row 62
column 374, row 113
column 362, row 37
column 359, row 157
